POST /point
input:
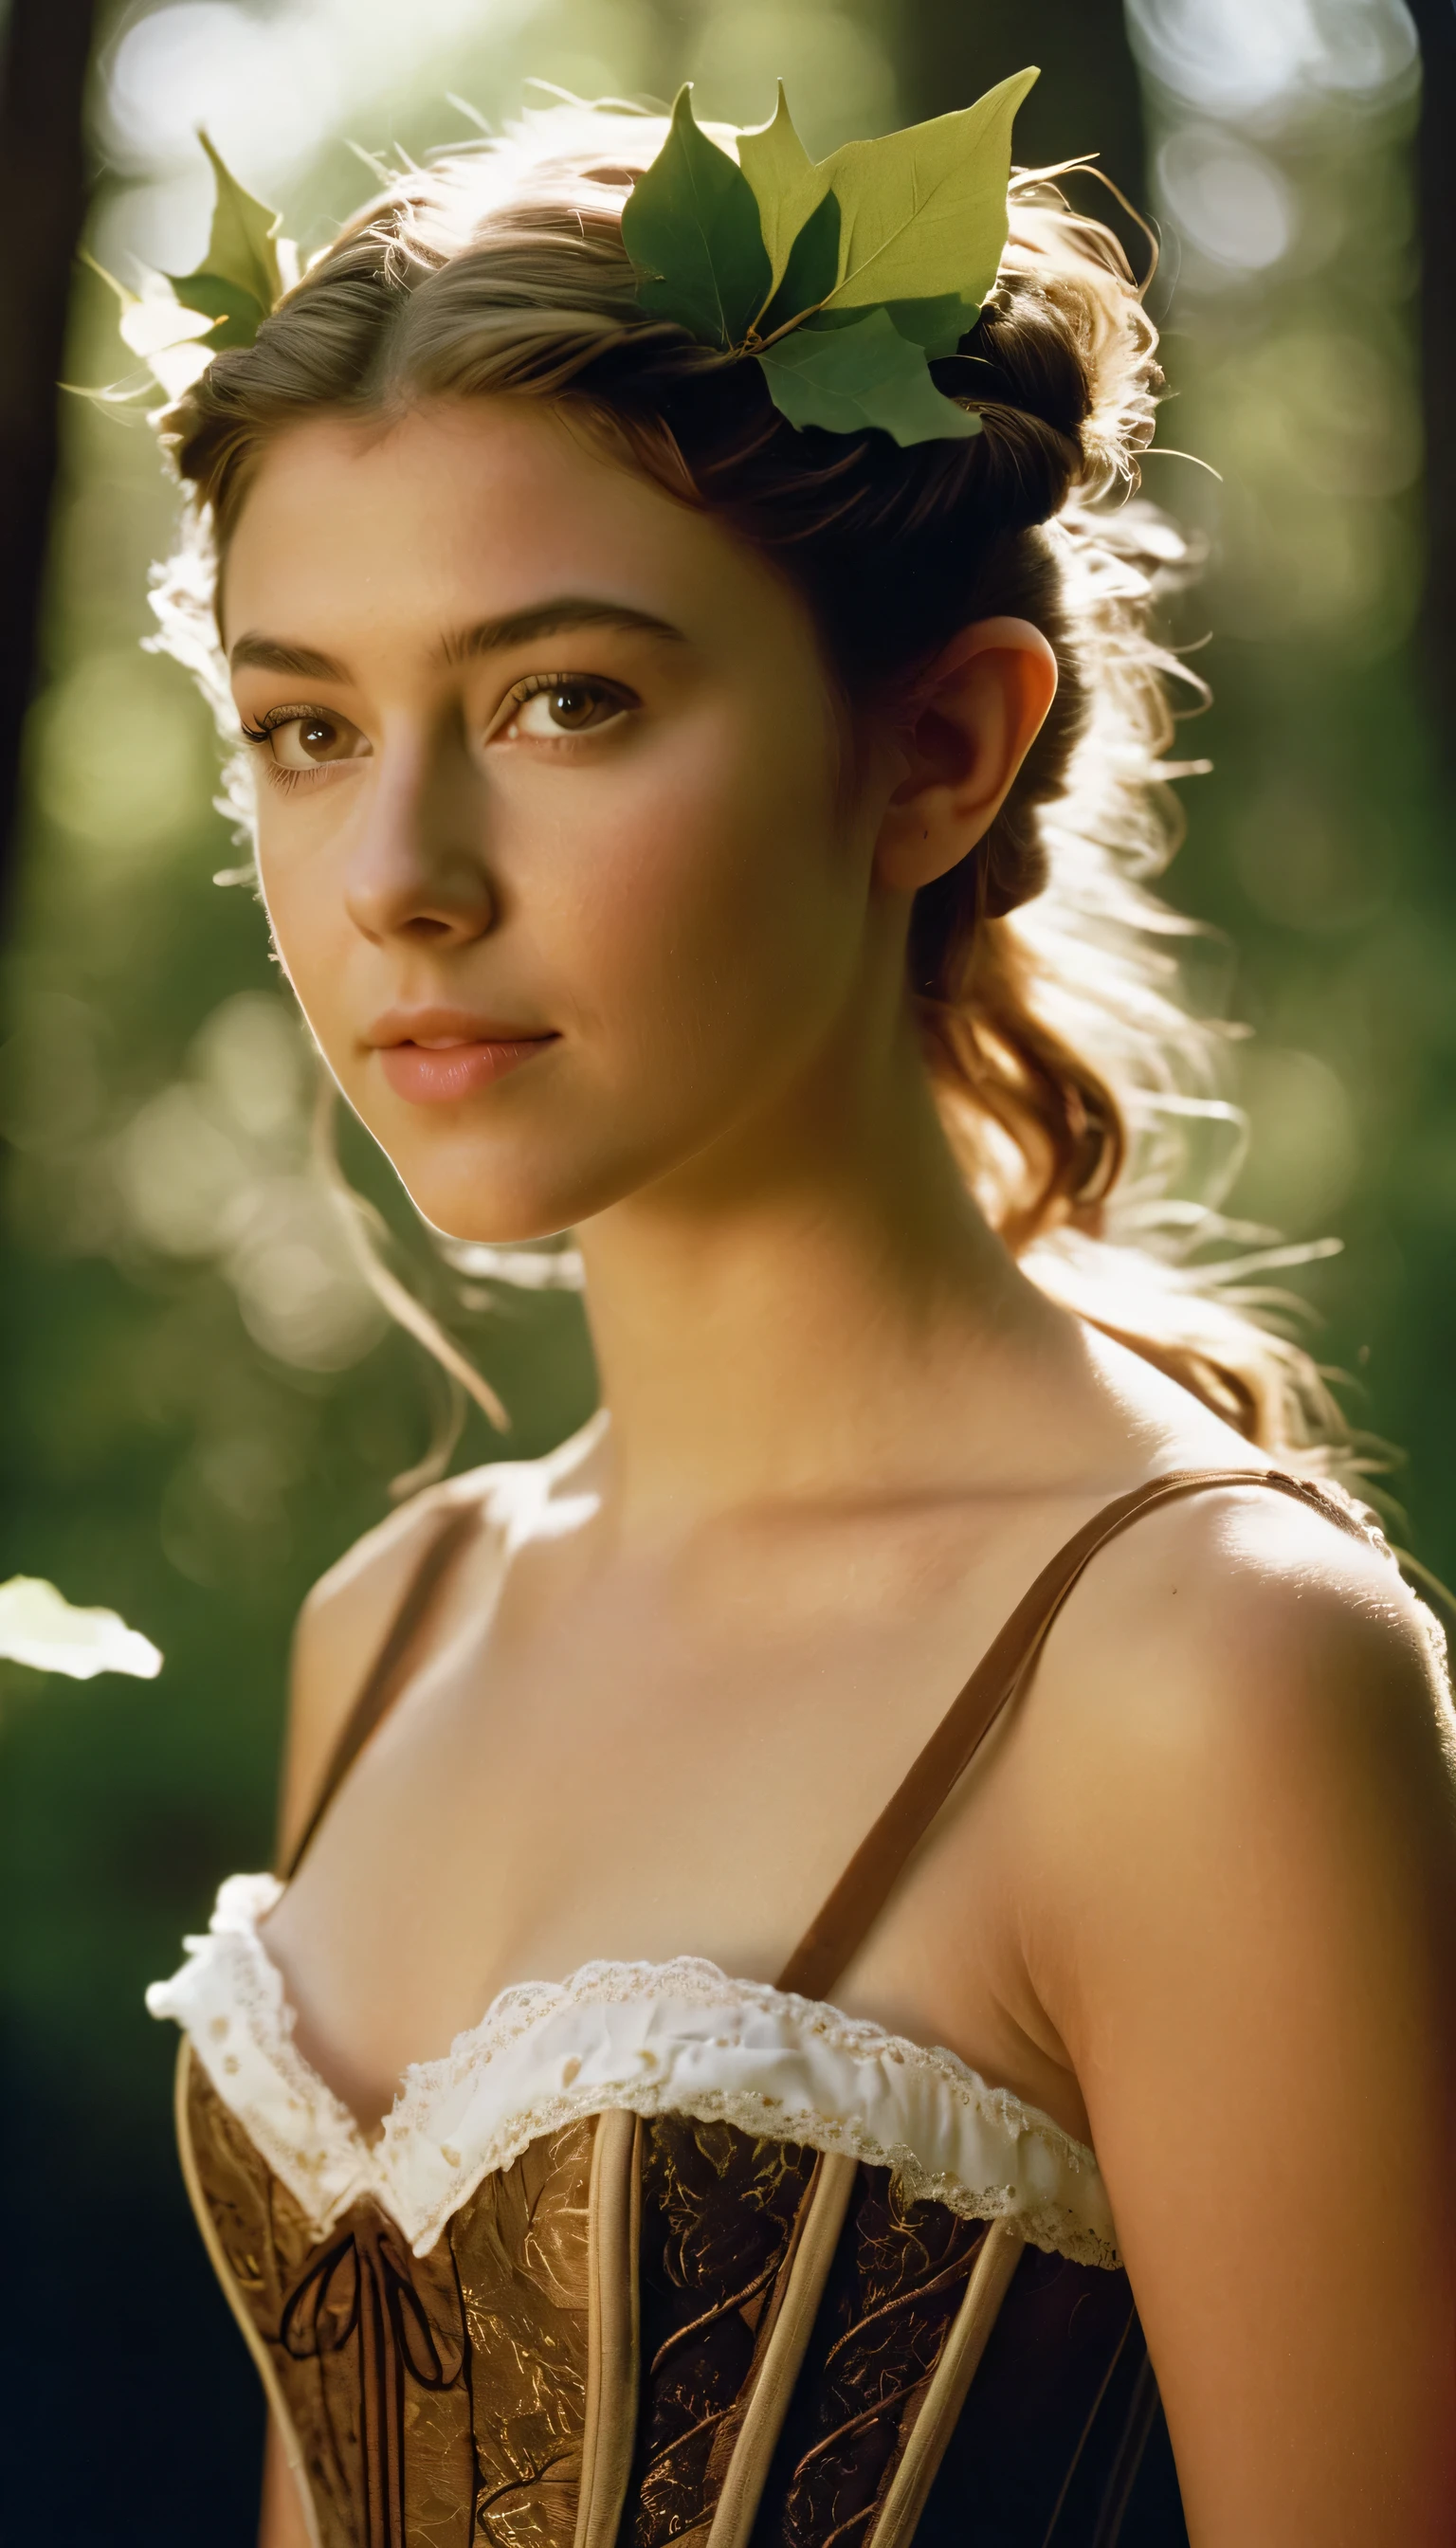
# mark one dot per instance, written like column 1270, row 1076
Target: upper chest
column 628, row 1762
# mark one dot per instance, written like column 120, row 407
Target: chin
column 523, row 1187
column 489, row 1202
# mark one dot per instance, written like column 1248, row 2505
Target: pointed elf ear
column 842, row 279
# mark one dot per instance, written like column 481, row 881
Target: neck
column 816, row 1310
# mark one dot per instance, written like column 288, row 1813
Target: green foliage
column 848, row 379
column 242, row 276
column 691, row 226
column 808, row 277
column 787, row 188
column 924, row 211
column 845, row 277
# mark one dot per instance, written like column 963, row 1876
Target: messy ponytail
column 1045, row 973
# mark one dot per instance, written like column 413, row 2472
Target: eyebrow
column 258, row 653
column 549, row 620
column 261, row 654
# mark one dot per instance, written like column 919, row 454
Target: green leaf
column 813, row 263
column 240, row 277
column 788, row 187
column 924, row 211
column 691, row 226
column 938, row 323
column 237, row 315
column 850, row 378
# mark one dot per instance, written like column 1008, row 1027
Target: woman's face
column 552, row 827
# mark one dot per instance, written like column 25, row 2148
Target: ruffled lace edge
column 1053, row 2226
column 323, row 2156
column 326, row 2160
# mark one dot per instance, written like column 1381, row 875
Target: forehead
column 458, row 512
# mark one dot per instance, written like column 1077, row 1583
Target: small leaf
column 157, row 326
column 691, row 226
column 248, row 266
column 924, row 211
column 850, row 378
column 233, row 315
column 39, row 1627
column 244, row 246
column 787, row 186
column 813, row 263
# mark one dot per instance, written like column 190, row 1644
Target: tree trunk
column 44, row 57
column 1436, row 211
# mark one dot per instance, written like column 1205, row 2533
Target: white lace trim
column 679, row 2038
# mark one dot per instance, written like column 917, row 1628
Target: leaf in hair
column 242, row 275
column 691, row 226
column 789, row 190
column 813, row 263
column 850, row 379
column 160, row 331
column 924, row 211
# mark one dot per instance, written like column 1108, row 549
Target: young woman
column 720, row 840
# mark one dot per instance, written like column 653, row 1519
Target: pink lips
column 437, row 1056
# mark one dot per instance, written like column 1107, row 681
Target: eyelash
column 258, row 736
column 532, row 687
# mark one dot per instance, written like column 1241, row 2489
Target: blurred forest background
column 204, row 1405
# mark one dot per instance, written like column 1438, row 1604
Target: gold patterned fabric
column 438, row 2402
column 449, row 2401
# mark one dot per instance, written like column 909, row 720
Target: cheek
column 719, row 906
column 303, row 895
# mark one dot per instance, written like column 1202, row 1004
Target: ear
column 962, row 738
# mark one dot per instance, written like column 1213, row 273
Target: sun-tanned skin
column 1196, row 1900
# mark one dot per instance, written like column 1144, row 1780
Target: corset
column 655, row 2255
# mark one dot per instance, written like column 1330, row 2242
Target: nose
column 419, row 868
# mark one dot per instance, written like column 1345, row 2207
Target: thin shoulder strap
column 846, row 1919
column 386, row 1675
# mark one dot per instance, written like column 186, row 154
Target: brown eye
column 567, row 707
column 572, row 707
column 305, row 742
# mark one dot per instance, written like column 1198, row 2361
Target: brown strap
column 385, row 1675
column 841, row 1926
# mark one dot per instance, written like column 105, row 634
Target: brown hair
column 1064, row 1061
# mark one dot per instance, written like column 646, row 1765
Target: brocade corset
column 653, row 2255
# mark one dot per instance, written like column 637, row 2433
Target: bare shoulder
column 1238, row 1657
column 345, row 1620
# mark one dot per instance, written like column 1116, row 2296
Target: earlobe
column 976, row 715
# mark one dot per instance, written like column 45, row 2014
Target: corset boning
column 652, row 2330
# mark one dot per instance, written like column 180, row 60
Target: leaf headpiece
column 182, row 320
column 842, row 278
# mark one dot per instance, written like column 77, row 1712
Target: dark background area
column 201, row 1407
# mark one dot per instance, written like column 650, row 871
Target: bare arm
column 1246, row 1943
column 283, row 2523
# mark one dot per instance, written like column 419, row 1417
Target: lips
column 437, row 1056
